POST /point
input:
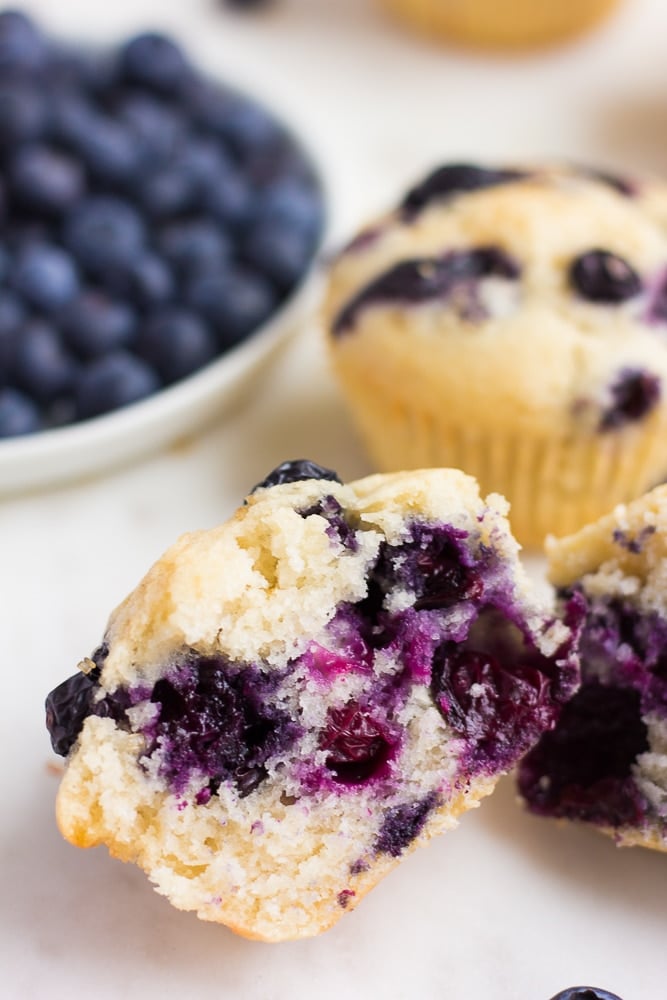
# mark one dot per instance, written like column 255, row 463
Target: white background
column 505, row 908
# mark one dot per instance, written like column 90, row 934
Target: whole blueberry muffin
column 512, row 323
column 290, row 703
column 606, row 761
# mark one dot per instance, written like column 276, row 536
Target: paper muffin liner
column 555, row 484
column 501, row 22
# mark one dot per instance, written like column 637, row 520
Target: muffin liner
column 501, row 22
column 555, row 484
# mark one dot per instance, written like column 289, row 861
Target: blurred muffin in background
column 501, row 23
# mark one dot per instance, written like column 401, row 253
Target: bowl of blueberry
column 158, row 230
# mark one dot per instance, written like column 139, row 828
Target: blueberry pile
column 151, row 219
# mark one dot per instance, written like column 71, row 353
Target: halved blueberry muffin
column 606, row 761
column 289, row 703
column 512, row 323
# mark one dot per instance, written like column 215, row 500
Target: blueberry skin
column 453, row 179
column 18, row 414
column 294, row 471
column 150, row 283
column 176, row 342
column 154, row 61
column 229, row 200
column 23, row 113
column 42, row 366
column 45, row 180
column 95, row 324
column 108, row 149
column 45, row 276
column 585, row 993
column 167, row 192
column 292, row 204
column 158, row 127
column 22, row 46
column 113, row 381
column 194, row 243
column 280, row 254
column 67, row 707
column 12, row 315
column 105, row 234
column 601, row 276
column 233, row 300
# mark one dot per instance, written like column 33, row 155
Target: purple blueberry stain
column 633, row 395
column 345, row 897
column 338, row 528
column 451, row 277
column 602, row 276
column 633, row 543
column 453, row 179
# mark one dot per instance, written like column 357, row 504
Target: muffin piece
column 289, row 703
column 511, row 323
column 501, row 23
column 606, row 761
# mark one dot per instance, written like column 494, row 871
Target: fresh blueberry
column 585, row 993
column 633, row 395
column 109, row 150
column 176, row 342
column 194, row 243
column 229, row 199
column 23, row 113
column 18, row 414
column 294, row 471
column 112, row 381
column 71, row 118
column 45, row 276
column 158, row 127
column 147, row 283
column 453, row 179
column 167, row 192
column 602, row 276
column 12, row 315
column 233, row 300
column 280, row 254
column 105, row 234
column 204, row 161
column 247, row 127
column 42, row 366
column 45, row 180
column 4, row 263
column 94, row 324
column 291, row 204
column 22, row 46
column 154, row 61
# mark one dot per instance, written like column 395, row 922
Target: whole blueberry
column 229, row 199
column 292, row 204
column 294, row 471
column 602, row 276
column 18, row 413
column 42, row 365
column 23, row 48
column 204, row 160
column 71, row 117
column 157, row 126
column 193, row 243
column 12, row 315
column 150, row 282
column 45, row 275
column 113, row 381
column 234, row 301
column 105, row 233
column 154, row 61
column 45, row 180
column 280, row 254
column 94, row 324
column 67, row 708
column 23, row 113
column 247, row 127
column 585, row 993
column 167, row 192
column 109, row 150
column 176, row 342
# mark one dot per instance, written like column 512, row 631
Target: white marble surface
column 505, row 908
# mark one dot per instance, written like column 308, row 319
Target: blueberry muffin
column 606, row 762
column 512, row 323
column 290, row 703
column 500, row 23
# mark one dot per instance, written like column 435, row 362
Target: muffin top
column 533, row 296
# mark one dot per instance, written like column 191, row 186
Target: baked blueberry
column 634, row 395
column 454, row 179
column 602, row 276
column 585, row 993
column 269, row 687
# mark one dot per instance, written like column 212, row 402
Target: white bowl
column 54, row 456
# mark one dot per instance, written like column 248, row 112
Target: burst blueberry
column 453, row 179
column 634, row 395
